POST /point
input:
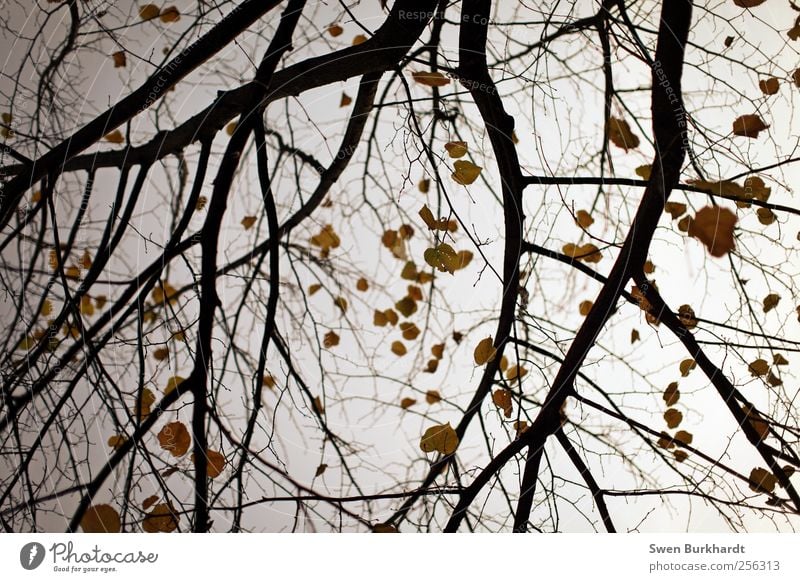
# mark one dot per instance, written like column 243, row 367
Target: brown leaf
column 440, row 438
column 331, row 339
column 748, row 126
column 769, row 86
column 120, row 59
column 399, row 349
column 771, row 302
column 430, row 78
column 713, row 226
column 672, row 394
column 484, row 351
column 620, row 134
column 174, row 437
column 762, row 481
column 170, row 14
column 433, row 397
column 502, row 399
column 406, row 403
column 100, row 519
column 161, row 519
column 673, row 417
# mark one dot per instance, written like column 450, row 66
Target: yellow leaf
column 430, row 221
column 407, row 403
column 248, row 222
column 620, row 134
column 314, row 288
column 771, row 302
column 119, row 59
column 456, row 149
column 673, row 417
column 164, row 291
column 410, row 330
column 644, row 171
column 116, row 441
column 100, row 519
column 326, row 239
column 587, row 253
column 583, row 219
column 484, row 351
column 672, row 394
column 170, row 14
column 391, row 316
column 502, row 399
column 769, row 86
column 144, row 403
column 330, row 340
column 115, row 137
column 379, row 318
column 161, row 519
column 465, row 172
column 585, row 307
column 335, row 30
column 230, row 129
column 430, row 78
column 687, row 366
column 174, row 438
column 748, row 125
column 515, row 372
column 341, row 303
column 713, row 226
column 440, row 438
column 72, row 272
column 762, row 481
column 173, row 383
column 148, row 11
column 268, row 381
column 463, row 259
column 433, row 397
column 399, row 349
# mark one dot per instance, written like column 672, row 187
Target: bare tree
column 409, row 266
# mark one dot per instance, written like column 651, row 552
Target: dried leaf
column 161, row 519
column 440, row 438
column 771, row 302
column 748, row 126
column 713, row 226
column 620, row 134
column 484, row 351
column 502, row 399
column 762, row 481
column 100, row 519
column 673, row 417
column 465, row 172
column 433, row 397
column 174, row 438
column 430, row 78
column 672, row 394
column 399, row 349
column 456, row 149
